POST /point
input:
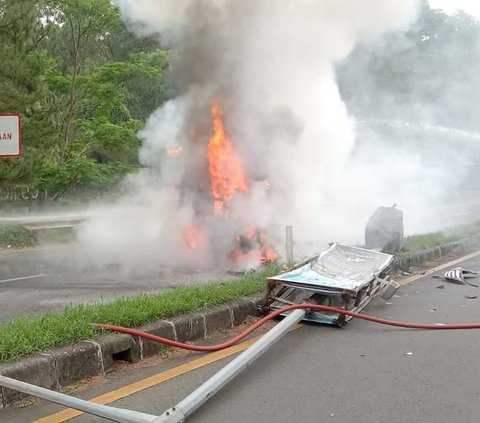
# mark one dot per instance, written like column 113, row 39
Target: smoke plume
column 270, row 65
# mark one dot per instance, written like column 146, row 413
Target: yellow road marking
column 438, row 268
column 154, row 380
column 159, row 378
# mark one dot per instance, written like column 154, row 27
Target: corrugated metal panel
column 343, row 277
column 339, row 268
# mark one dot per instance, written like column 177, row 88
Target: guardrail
column 47, row 222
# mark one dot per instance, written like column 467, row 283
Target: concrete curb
column 466, row 246
column 65, row 366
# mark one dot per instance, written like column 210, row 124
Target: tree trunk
column 73, row 94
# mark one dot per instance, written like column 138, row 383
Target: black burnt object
column 384, row 230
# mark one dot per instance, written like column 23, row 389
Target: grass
column 25, row 336
column 57, row 235
column 16, row 236
column 426, row 241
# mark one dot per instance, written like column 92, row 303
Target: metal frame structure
column 342, row 276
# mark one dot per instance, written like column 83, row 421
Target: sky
column 450, row 6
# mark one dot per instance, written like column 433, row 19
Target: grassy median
column 26, row 336
column 415, row 243
column 15, row 236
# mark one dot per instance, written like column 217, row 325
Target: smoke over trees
column 101, row 98
column 429, row 74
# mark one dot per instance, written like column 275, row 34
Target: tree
column 429, row 74
column 84, row 85
column 81, row 23
column 23, row 89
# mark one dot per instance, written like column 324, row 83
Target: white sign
column 10, row 135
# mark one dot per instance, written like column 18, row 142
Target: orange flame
column 268, row 255
column 250, row 233
column 252, row 246
column 174, row 152
column 192, row 236
column 226, row 172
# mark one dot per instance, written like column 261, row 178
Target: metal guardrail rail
column 47, row 222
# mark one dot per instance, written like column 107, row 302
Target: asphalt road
column 362, row 373
column 40, row 280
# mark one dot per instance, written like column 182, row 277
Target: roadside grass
column 426, row 241
column 57, row 235
column 16, row 236
column 21, row 337
column 26, row 336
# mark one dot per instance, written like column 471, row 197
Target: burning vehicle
column 221, row 227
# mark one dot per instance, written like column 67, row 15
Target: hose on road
column 312, row 307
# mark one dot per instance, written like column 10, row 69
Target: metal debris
column 343, row 276
column 460, row 276
column 240, row 272
column 471, row 297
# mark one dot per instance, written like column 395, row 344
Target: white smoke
column 271, row 62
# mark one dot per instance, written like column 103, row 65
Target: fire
column 250, row 233
column 192, row 235
column 226, row 172
column 174, row 152
column 268, row 255
column 252, row 246
column 227, row 177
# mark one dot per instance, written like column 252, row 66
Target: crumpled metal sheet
column 339, row 268
column 459, row 275
column 342, row 277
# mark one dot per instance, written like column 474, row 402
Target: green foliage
column 82, row 94
column 82, row 174
column 431, row 240
column 16, row 236
column 22, row 337
column 56, row 235
column 430, row 73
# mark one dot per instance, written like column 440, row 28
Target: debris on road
column 460, row 276
column 343, row 276
column 384, row 231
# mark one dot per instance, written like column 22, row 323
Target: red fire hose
column 256, row 325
